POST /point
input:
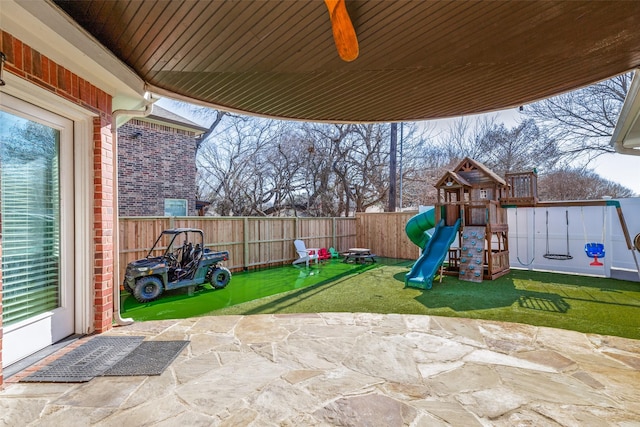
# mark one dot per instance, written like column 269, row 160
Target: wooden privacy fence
column 251, row 241
column 384, row 233
column 260, row 242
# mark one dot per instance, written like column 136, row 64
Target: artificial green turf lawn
column 585, row 304
column 243, row 287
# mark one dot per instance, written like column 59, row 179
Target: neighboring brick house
column 157, row 165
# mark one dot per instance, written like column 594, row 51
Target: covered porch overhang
column 417, row 59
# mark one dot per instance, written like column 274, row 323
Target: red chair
column 323, row 254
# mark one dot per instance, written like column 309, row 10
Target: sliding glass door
column 36, row 165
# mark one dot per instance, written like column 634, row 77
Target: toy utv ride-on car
column 186, row 266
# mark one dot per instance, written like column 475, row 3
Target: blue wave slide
column 434, row 247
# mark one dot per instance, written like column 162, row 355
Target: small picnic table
column 360, row 255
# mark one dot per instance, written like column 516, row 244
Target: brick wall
column 35, row 67
column 155, row 162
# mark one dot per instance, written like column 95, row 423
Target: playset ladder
column 472, row 254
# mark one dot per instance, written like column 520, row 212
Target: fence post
column 245, row 234
column 334, row 238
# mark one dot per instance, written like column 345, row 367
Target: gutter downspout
column 116, row 228
column 629, row 115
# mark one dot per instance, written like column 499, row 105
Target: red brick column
column 103, row 224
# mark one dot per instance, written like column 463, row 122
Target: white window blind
column 30, row 218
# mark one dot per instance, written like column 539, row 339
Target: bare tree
column 216, row 116
column 578, row 184
column 582, row 120
column 233, row 169
column 324, row 175
column 520, row 148
column 463, row 138
column 348, row 167
column 502, row 149
column 250, row 166
column 368, row 159
column 287, row 160
column 423, row 162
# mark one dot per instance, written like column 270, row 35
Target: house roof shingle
column 159, row 114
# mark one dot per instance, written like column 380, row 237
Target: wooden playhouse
column 471, row 192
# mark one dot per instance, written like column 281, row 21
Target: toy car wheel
column 219, row 277
column 126, row 286
column 147, row 289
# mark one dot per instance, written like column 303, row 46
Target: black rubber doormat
column 149, row 358
column 87, row 361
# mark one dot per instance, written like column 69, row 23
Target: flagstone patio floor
column 346, row 369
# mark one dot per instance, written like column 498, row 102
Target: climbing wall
column 472, row 254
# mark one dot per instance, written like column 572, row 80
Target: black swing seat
column 561, row 257
column 594, row 250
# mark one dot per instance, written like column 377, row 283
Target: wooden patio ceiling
column 418, row 59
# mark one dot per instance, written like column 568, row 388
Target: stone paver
column 352, row 369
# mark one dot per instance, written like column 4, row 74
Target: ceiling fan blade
column 344, row 34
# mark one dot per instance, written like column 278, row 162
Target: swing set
column 593, row 249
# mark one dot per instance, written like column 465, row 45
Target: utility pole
column 392, row 167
